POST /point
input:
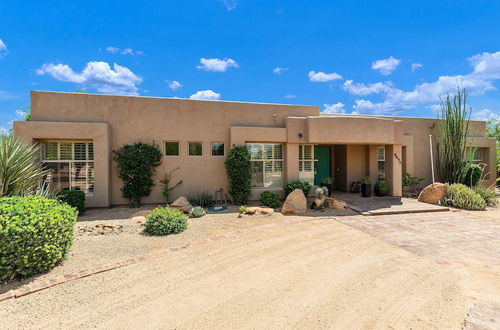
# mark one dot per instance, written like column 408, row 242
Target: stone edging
column 39, row 285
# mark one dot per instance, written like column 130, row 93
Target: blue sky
column 377, row 57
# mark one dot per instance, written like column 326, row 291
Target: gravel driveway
column 313, row 274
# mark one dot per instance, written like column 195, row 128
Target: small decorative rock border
column 39, row 285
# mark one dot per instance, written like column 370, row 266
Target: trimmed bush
column 165, row 221
column 35, row 234
column 237, row 165
column 197, row 212
column 299, row 184
column 487, row 194
column 74, row 198
column 464, row 197
column 270, row 199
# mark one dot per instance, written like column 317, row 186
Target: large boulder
column 433, row 194
column 335, row 204
column 295, row 202
column 182, row 204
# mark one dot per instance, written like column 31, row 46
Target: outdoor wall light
column 301, row 135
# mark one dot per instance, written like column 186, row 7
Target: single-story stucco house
column 78, row 133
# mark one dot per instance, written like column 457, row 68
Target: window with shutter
column 266, row 164
column 70, row 164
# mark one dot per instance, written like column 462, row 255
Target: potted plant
column 328, row 183
column 381, row 188
column 410, row 184
column 366, row 187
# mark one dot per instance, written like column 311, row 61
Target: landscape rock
column 259, row 210
column 433, row 194
column 182, row 204
column 295, row 202
column 336, row 204
column 318, row 202
column 100, row 229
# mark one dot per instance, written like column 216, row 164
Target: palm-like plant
column 21, row 172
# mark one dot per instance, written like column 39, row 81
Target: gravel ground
column 90, row 249
column 315, row 274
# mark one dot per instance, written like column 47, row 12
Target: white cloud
column 111, row 49
column 416, row 66
column 279, row 70
column 485, row 70
column 487, row 115
column 126, row 51
column 3, row 49
column 205, row 95
column 216, row 64
column 333, row 108
column 367, row 89
column 174, row 84
column 99, row 75
column 386, row 66
column 230, row 4
column 322, row 77
column 290, row 96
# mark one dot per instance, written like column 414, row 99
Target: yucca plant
column 21, row 172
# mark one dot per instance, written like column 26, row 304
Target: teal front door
column 322, row 154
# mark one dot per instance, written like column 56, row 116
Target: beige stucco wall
column 146, row 119
column 112, row 121
column 99, row 133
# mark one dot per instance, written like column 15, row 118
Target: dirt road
column 315, row 274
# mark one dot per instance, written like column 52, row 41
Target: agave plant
column 21, row 172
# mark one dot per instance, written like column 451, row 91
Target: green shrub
column 35, row 234
column 197, row 212
column 165, row 182
column 464, row 197
column 203, row 199
column 472, row 175
column 270, row 199
column 75, row 198
column 165, row 221
column 135, row 164
column 237, row 165
column 381, row 185
column 487, row 194
column 21, row 172
column 327, row 180
column 366, row 180
column 299, row 184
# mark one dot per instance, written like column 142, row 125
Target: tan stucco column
column 394, row 162
column 372, row 163
column 292, row 162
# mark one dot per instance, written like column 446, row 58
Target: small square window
column 217, row 149
column 195, row 148
column 172, row 148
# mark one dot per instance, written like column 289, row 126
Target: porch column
column 292, row 162
column 394, row 163
column 372, row 163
